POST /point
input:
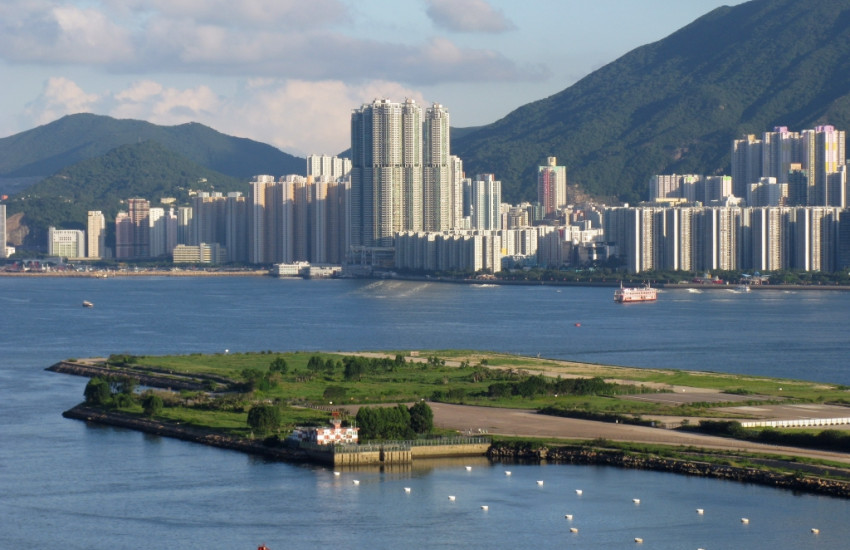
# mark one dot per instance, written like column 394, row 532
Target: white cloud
column 44, row 32
column 60, row 97
column 468, row 16
column 282, row 15
column 255, row 38
column 296, row 116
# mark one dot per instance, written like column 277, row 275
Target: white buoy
column 745, row 520
column 485, row 507
column 539, row 482
column 407, row 489
column 636, row 500
column 700, row 511
column 638, row 540
column 569, row 516
column 573, row 530
column 356, row 481
column 468, row 468
column 507, row 473
column 815, row 531
column 452, row 498
column 578, row 491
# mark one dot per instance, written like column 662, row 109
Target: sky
column 289, row 72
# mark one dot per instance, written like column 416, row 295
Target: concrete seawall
column 585, row 456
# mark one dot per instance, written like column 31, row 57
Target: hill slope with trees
column 147, row 170
column 676, row 105
column 47, row 149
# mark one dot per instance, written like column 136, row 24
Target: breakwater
column 184, row 432
column 621, row 459
column 151, row 377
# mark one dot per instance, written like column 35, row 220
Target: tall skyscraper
column 328, row 166
column 552, row 186
column 486, row 194
column 139, row 213
column 2, row 231
column 437, row 175
column 746, row 163
column 96, row 232
column 386, row 171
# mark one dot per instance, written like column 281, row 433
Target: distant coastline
column 417, row 278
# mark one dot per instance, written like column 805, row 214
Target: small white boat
column 700, row 511
column 86, row 303
column 568, row 517
column 573, row 529
column 636, row 500
column 469, row 468
column 742, row 288
column 638, row 540
column 356, row 481
column 485, row 507
column 540, row 483
column 745, row 520
column 407, row 489
column 452, row 498
column 578, row 491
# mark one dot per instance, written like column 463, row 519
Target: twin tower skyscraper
column 402, row 173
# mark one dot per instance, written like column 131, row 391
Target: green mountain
column 677, row 104
column 148, row 170
column 47, row 149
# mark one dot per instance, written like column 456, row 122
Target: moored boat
column 643, row 293
column 86, row 303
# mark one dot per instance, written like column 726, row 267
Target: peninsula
column 787, row 433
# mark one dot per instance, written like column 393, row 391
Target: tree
column 421, row 418
column 97, row 392
column 279, row 365
column 264, row 419
column 152, row 404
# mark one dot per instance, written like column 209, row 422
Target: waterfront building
column 552, row 186
column 203, row 253
column 96, row 235
column 66, row 243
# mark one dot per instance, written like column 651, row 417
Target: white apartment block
column 66, row 243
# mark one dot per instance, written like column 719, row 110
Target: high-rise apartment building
column 437, row 166
column 327, row 166
column 96, row 234
column 486, row 201
column 138, row 211
column 3, row 236
column 387, row 192
column 552, row 186
column 809, row 157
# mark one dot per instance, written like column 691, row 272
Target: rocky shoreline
column 621, row 459
column 183, row 432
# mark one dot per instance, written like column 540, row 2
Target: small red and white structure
column 329, row 435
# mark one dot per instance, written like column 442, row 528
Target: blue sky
column 289, row 72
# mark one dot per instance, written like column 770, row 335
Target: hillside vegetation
column 47, row 149
column 147, row 170
column 675, row 105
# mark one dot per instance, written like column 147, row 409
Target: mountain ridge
column 675, row 105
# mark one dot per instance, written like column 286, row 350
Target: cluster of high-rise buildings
column 403, row 202
column 401, row 180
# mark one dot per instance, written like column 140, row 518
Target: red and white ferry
column 643, row 293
